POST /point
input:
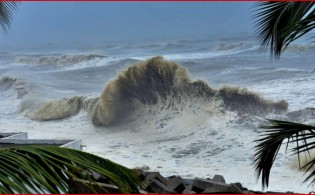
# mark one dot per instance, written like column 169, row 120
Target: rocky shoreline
column 154, row 182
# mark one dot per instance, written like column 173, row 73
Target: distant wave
column 221, row 50
column 60, row 60
column 155, row 46
column 227, row 47
column 174, row 46
column 109, row 61
column 183, row 44
column 199, row 55
column 3, row 53
column 204, row 54
column 154, row 82
column 143, row 46
column 299, row 47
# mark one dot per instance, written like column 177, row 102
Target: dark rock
column 239, row 185
column 148, row 177
column 256, row 192
column 272, row 192
column 155, row 175
column 153, row 182
column 188, row 190
column 172, row 176
column 155, row 186
column 141, row 174
column 176, row 184
column 218, row 178
column 199, row 185
column 250, row 192
column 217, row 187
column 234, row 189
column 187, row 181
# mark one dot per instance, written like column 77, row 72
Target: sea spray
column 156, row 78
column 143, row 83
column 154, row 82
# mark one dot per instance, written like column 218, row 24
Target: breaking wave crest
column 61, row 60
column 155, row 82
column 57, row 109
column 19, row 85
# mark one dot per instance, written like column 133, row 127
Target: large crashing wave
column 151, row 82
column 155, row 80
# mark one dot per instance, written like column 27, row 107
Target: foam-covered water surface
column 195, row 111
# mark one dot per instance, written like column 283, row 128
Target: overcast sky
column 77, row 23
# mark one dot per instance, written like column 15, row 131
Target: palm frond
column 275, row 134
column 279, row 23
column 48, row 170
column 7, row 10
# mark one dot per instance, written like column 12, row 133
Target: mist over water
column 194, row 111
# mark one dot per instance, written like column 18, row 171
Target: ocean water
column 57, row 94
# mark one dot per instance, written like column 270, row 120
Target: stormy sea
column 188, row 107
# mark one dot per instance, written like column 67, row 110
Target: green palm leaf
column 279, row 23
column 275, row 134
column 48, row 170
column 7, row 10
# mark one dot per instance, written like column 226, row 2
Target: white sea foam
column 98, row 62
column 282, row 89
column 200, row 141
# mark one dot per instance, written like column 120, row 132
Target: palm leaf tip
column 7, row 11
column 274, row 135
column 277, row 24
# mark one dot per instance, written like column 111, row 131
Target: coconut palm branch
column 276, row 134
column 7, row 10
column 277, row 24
column 36, row 169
